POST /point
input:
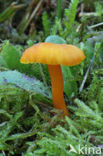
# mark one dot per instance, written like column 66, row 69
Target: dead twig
column 34, row 12
column 86, row 74
column 95, row 25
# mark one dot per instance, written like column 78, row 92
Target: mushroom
column 54, row 55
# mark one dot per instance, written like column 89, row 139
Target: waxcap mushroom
column 53, row 54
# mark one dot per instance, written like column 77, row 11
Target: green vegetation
column 29, row 126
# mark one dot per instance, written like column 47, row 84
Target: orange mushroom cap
column 53, row 54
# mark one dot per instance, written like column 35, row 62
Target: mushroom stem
column 57, row 88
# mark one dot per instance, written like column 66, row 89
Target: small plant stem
column 59, row 8
column 43, row 76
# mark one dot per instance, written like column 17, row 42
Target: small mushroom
column 54, row 55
